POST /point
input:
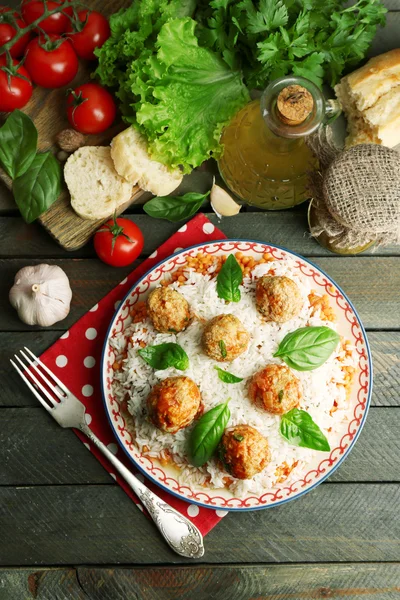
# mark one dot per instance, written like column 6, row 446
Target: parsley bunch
column 267, row 39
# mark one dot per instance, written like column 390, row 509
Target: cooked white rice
column 320, row 387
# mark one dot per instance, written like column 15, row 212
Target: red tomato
column 33, row 9
column 7, row 31
column 14, row 90
column 52, row 63
column 91, row 108
column 94, row 33
column 119, row 242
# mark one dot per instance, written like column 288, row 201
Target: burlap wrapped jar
column 356, row 195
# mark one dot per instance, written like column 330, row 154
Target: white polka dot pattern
column 193, row 510
column 88, row 418
column 87, row 391
column 61, row 361
column 89, row 362
column 91, row 333
column 208, row 228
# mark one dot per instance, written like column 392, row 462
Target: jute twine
column 356, row 193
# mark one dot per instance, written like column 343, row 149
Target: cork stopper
column 294, row 104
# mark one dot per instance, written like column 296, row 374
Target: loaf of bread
column 96, row 188
column 370, row 98
column 132, row 161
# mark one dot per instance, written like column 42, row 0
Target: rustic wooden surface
column 67, row 531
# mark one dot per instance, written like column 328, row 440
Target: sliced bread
column 96, row 188
column 132, row 161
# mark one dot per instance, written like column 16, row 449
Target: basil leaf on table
column 162, row 356
column 298, row 428
column 39, row 187
column 227, row 377
column 207, row 433
column 175, row 208
column 307, row 348
column 18, row 140
column 228, row 280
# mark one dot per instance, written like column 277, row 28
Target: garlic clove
column 222, row 203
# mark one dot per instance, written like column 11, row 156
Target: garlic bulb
column 222, row 203
column 41, row 295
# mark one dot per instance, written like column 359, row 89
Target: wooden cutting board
column 47, row 109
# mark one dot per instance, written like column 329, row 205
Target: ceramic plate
column 349, row 325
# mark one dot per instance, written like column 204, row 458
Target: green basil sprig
column 298, row 428
column 207, row 433
column 162, row 356
column 18, row 141
column 307, row 348
column 227, row 377
column 175, row 208
column 228, row 280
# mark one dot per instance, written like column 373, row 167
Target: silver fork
column 181, row 535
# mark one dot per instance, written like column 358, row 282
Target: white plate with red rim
column 349, row 325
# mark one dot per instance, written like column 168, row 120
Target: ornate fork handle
column 179, row 533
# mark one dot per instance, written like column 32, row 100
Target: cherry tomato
column 8, row 30
column 15, row 91
column 91, row 108
column 94, row 33
column 33, row 9
column 118, row 242
column 51, row 63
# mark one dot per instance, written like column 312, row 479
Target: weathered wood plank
column 375, row 581
column 100, row 525
column 282, row 228
column 387, row 38
column 372, row 283
column 34, row 450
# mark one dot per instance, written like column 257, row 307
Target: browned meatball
column 225, row 338
column 275, row 389
column 168, row 310
column 243, row 451
column 174, row 403
column 278, row 298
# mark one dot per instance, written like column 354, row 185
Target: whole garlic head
column 41, row 295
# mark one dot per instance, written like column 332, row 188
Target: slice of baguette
column 96, row 188
column 132, row 161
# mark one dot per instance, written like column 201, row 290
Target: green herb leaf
column 307, row 348
column 175, row 208
column 228, row 280
column 222, row 347
column 39, row 187
column 227, row 377
column 207, row 433
column 298, row 428
column 162, row 356
column 18, row 140
column 280, row 395
column 238, row 437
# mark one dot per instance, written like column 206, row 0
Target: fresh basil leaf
column 162, row 356
column 298, row 428
column 222, row 347
column 174, row 208
column 227, row 377
column 39, row 187
column 18, row 140
column 228, row 280
column 307, row 348
column 207, row 433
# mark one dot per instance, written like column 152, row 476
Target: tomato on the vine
column 90, row 108
column 33, row 9
column 94, row 33
column 118, row 242
column 15, row 86
column 51, row 62
column 8, row 22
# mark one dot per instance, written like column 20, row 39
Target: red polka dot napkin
column 76, row 359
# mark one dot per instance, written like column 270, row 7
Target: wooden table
column 68, row 531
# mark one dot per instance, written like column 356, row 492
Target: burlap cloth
column 356, row 193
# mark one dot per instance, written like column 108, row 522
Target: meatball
column 278, row 298
column 168, row 310
column 225, row 338
column 174, row 403
column 243, row 451
column 275, row 389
